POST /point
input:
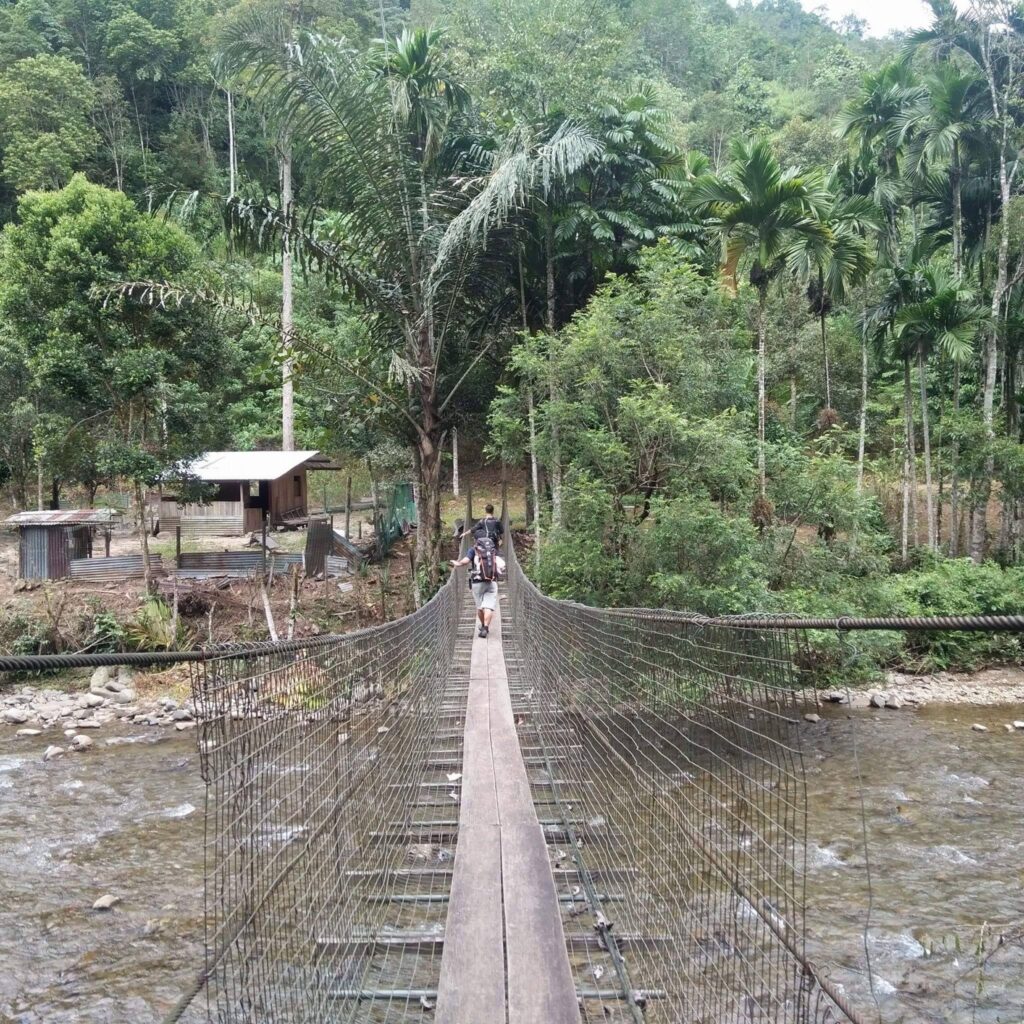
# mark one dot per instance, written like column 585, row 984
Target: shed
column 249, row 486
column 49, row 540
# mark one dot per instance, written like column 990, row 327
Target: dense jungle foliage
column 739, row 290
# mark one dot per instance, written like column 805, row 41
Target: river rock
column 124, row 696
column 181, row 715
column 978, row 727
column 81, row 742
column 16, row 716
column 169, row 704
column 101, row 676
column 107, row 902
column 80, row 713
column 182, row 726
column 28, row 732
column 89, row 723
column 835, row 697
column 94, row 700
column 1018, row 724
column 893, row 701
column 812, row 718
column 51, row 752
column 878, row 700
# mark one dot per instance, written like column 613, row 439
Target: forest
column 737, row 291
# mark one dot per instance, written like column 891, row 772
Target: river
column 944, row 807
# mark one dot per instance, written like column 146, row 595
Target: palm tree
column 382, row 133
column 944, row 318
column 758, row 209
column 949, row 118
column 873, row 119
column 837, row 264
column 952, row 119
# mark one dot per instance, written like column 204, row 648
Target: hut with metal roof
column 48, row 541
column 248, row 487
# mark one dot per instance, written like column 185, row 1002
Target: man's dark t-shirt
column 491, row 527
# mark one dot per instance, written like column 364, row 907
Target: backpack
column 486, row 560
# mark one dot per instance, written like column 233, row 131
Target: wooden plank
column 504, row 927
column 540, row 981
column 472, row 983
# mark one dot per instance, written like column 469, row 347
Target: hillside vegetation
column 738, row 290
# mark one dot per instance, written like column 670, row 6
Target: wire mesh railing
column 309, row 756
column 675, row 758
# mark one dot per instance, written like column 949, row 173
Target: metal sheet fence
column 308, row 754
column 674, row 766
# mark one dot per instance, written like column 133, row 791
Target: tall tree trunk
column 792, row 401
column 909, row 518
column 531, row 412
column 232, row 151
column 429, row 529
column 828, row 374
column 556, row 446
column 926, row 436
column 1002, row 114
column 761, row 478
column 954, row 471
column 140, row 505
column 287, row 321
column 39, row 485
column 862, row 432
column 824, row 339
column 455, row 461
column 534, row 473
column 958, row 216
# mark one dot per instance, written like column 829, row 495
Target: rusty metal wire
column 315, row 755
column 675, row 776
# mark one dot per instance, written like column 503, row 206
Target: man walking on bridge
column 482, row 558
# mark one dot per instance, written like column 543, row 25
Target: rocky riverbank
column 75, row 717
column 991, row 687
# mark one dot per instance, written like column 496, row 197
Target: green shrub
column 957, row 586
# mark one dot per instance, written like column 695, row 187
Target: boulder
column 28, row 732
column 182, row 715
column 978, row 727
column 878, row 700
column 894, row 702
column 124, row 696
column 93, row 700
column 16, row 716
column 101, row 676
column 81, row 742
column 1018, row 724
column 107, row 902
column 51, row 752
column 182, row 726
column 812, row 718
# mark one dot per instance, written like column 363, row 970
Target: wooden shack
column 247, row 487
column 48, row 541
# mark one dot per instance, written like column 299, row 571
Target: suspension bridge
column 591, row 815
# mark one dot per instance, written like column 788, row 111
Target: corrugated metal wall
column 34, row 553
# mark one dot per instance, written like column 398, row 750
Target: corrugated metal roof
column 65, row 517
column 221, row 466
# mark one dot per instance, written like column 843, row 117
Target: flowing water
column 944, row 812
column 124, row 820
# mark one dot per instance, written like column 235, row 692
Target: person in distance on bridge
column 489, row 526
column 484, row 566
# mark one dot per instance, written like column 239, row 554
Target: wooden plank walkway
column 505, row 957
